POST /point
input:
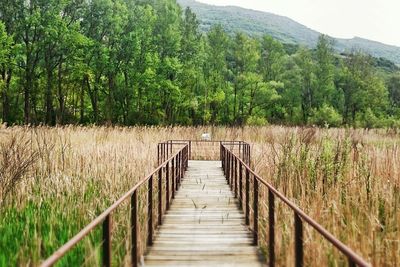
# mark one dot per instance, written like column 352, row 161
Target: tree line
column 134, row 62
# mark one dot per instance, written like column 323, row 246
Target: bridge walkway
column 204, row 225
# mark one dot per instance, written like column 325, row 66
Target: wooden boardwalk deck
column 204, row 226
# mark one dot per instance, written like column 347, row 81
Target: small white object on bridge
column 206, row 137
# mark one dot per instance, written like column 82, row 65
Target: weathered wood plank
column 204, row 226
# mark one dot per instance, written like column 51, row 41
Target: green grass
column 35, row 231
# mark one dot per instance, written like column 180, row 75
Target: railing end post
column 298, row 232
column 107, row 224
column 134, row 229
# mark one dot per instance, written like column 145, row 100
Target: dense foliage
column 147, row 62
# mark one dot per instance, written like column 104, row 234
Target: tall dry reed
column 347, row 180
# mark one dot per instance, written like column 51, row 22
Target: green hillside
column 257, row 23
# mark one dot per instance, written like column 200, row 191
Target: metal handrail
column 233, row 166
column 165, row 148
column 179, row 164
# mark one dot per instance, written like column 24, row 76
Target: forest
column 146, row 62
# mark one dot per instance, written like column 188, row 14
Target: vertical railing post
column 180, row 168
column 167, row 186
column 220, row 152
column 134, row 229
column 221, row 156
column 184, row 156
column 255, row 209
column 298, row 237
column 247, row 197
column 236, row 177
column 227, row 163
column 165, row 151
column 107, row 241
column 245, row 153
column 187, row 157
column 249, row 155
column 351, row 262
column 232, row 170
column 160, row 196
column 177, row 173
column 271, row 218
column 225, row 160
column 173, row 177
column 150, row 212
column 190, row 150
column 241, row 185
column 158, row 154
column 162, row 153
column 228, row 166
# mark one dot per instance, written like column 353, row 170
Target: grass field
column 53, row 181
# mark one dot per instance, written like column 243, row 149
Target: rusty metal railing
column 236, row 170
column 171, row 170
column 165, row 149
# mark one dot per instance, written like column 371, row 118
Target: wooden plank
column 204, row 226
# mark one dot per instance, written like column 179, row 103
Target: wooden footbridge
column 201, row 212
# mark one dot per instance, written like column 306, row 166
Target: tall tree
column 216, row 71
column 304, row 61
column 362, row 88
column 246, row 56
column 192, row 57
column 271, row 60
column 324, row 71
column 6, row 68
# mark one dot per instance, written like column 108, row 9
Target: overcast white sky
column 377, row 20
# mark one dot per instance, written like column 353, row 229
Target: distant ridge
column 258, row 23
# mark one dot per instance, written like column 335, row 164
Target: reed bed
column 56, row 180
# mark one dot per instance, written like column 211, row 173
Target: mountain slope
column 258, row 23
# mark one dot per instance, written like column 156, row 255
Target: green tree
column 304, row 61
column 6, row 68
column 216, row 75
column 271, row 59
column 324, row 72
column 191, row 78
column 393, row 85
column 362, row 88
column 246, row 56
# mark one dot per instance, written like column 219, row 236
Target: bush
column 326, row 116
column 256, row 121
column 369, row 120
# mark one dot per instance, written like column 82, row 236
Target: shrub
column 256, row 121
column 326, row 116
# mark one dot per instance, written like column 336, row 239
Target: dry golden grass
column 347, row 180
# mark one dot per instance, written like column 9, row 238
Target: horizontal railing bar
column 327, row 235
column 207, row 141
column 99, row 219
column 181, row 143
